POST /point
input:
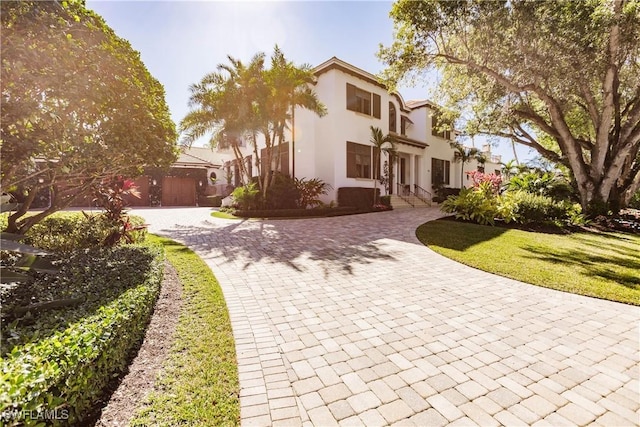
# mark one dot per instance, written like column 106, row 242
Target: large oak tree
column 78, row 105
column 562, row 77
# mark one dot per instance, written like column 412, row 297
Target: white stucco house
column 336, row 148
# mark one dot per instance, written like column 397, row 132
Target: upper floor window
column 392, row 118
column 405, row 122
column 363, row 101
column 435, row 128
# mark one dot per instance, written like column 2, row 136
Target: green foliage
column 385, row 200
column 472, row 205
column 77, row 98
column 64, row 359
column 558, row 77
column 109, row 196
column 310, row 191
column 67, row 231
column 284, row 193
column 246, row 196
column 525, row 208
column 545, row 184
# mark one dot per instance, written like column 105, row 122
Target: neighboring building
column 336, row 148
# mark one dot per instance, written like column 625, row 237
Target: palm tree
column 289, row 86
column 380, row 144
column 229, row 105
column 510, row 169
column 464, row 155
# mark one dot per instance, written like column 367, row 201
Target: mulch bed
column 139, row 381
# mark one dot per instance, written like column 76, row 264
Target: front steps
column 398, row 202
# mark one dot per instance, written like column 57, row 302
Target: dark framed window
column 405, row 122
column 363, row 101
column 392, row 118
column 361, row 160
column 440, row 172
column 284, row 159
column 249, row 166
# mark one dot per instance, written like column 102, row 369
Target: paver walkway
column 351, row 321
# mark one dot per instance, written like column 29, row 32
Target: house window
column 236, row 174
column 249, row 166
column 359, row 160
column 434, row 128
column 363, row 101
column 405, row 122
column 392, row 118
column 284, row 159
column 440, row 171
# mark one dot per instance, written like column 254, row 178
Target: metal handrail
column 403, row 191
column 422, row 194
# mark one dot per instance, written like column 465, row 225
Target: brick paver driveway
column 350, row 320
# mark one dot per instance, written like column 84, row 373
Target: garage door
column 177, row 191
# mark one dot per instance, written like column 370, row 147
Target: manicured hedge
column 295, row 213
column 67, row 231
column 61, row 362
column 359, row 197
column 210, row 201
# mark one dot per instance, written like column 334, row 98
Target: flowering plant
column 109, row 195
column 486, row 182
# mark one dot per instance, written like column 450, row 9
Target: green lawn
column 223, row 215
column 199, row 385
column 602, row 265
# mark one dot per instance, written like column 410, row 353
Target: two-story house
column 337, row 149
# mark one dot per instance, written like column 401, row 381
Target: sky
column 181, row 41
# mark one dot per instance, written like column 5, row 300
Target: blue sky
column 181, row 41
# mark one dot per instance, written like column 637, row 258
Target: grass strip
column 223, row 215
column 199, row 384
column 601, row 265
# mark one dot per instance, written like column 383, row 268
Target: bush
column 443, row 193
column 210, row 201
column 359, row 197
column 283, row 193
column 543, row 184
column 66, row 231
column 472, row 205
column 529, row 208
column 310, row 191
column 385, row 200
column 63, row 360
column 247, row 196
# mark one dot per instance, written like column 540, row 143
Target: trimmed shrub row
column 359, row 197
column 61, row 363
column 68, row 231
column 295, row 213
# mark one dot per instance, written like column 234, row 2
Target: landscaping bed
column 59, row 363
column 296, row 213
